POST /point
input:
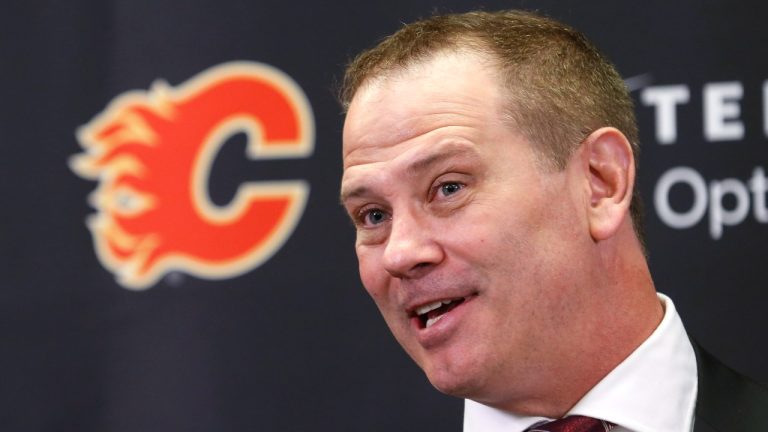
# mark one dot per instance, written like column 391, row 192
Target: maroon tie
column 574, row 423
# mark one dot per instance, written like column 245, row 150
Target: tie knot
column 574, row 423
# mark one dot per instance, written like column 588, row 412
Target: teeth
column 433, row 320
column 430, row 307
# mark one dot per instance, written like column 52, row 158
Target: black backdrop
column 294, row 343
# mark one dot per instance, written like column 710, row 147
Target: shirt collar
column 652, row 390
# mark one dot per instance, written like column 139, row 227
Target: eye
column 450, row 188
column 372, row 217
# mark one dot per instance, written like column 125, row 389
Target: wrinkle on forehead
column 395, row 108
column 371, row 148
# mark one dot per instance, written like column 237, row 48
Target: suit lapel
column 726, row 400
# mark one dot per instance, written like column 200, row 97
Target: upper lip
column 413, row 307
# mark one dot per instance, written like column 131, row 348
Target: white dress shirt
column 652, row 390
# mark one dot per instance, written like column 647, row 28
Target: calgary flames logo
column 151, row 153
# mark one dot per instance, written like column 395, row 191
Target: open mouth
column 431, row 313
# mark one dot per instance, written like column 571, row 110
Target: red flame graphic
column 152, row 152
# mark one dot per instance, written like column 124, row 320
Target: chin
column 454, row 381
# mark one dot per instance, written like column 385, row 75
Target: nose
column 412, row 248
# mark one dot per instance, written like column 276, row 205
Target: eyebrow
column 442, row 153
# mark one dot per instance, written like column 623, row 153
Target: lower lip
column 439, row 332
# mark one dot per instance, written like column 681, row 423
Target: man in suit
column 489, row 168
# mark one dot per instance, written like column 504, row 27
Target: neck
column 621, row 311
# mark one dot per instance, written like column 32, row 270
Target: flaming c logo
column 151, row 153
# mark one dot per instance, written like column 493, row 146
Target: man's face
column 470, row 250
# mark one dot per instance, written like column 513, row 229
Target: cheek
column 372, row 274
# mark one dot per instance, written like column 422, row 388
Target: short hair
column 560, row 87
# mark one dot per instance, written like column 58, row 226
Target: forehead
column 451, row 90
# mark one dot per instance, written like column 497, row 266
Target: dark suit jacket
column 727, row 401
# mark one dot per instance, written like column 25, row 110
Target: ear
column 611, row 180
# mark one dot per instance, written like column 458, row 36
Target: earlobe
column 611, row 180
